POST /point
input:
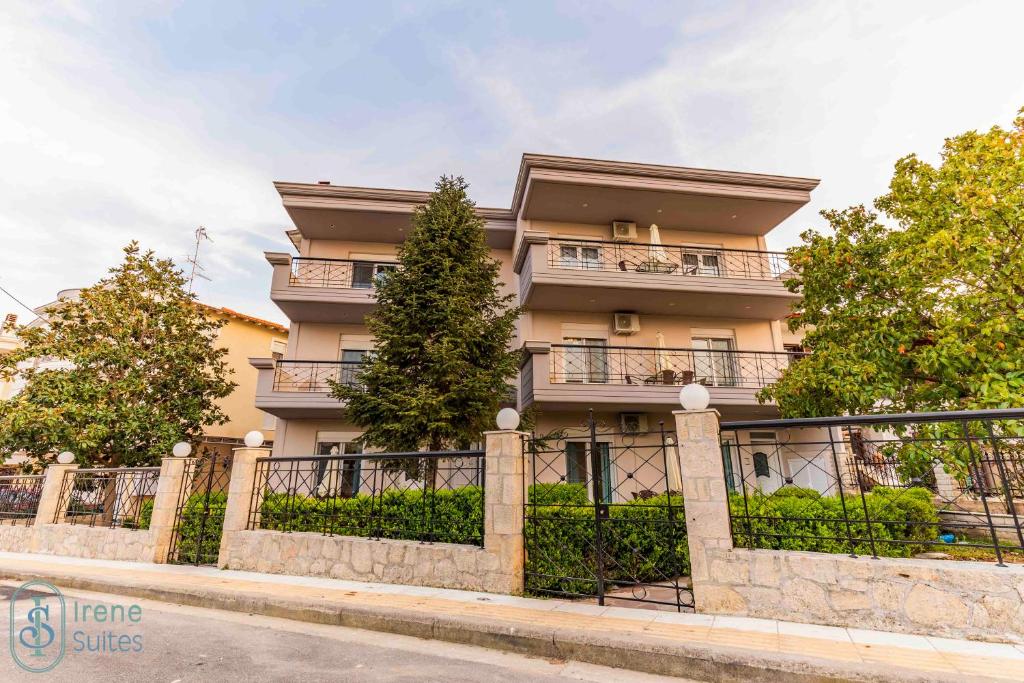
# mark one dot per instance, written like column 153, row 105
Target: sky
column 126, row 121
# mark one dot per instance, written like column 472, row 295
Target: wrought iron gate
column 604, row 517
column 199, row 518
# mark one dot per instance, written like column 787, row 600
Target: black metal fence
column 19, row 498
column 604, row 517
column 314, row 376
column 199, row 514
column 665, row 259
column 947, row 484
column 572, row 364
column 121, row 497
column 422, row 496
column 337, row 273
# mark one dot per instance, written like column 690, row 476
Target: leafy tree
column 442, row 360
column 142, row 371
column 924, row 311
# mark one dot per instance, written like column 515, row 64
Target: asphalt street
column 181, row 643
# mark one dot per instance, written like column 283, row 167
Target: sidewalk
column 691, row 645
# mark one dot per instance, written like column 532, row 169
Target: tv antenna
column 197, row 268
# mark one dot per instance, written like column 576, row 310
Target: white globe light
column 694, row 397
column 66, row 458
column 254, row 439
column 507, row 419
column 181, row 449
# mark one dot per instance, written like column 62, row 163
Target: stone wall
column 361, row 559
column 932, row 597
column 15, row 538
column 73, row 540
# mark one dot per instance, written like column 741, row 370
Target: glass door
column 714, row 363
column 365, row 275
column 579, row 257
column 334, row 477
column 577, row 467
column 351, row 364
column 586, row 360
column 701, row 263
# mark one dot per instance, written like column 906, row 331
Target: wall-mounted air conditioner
column 623, row 231
column 626, row 323
column 633, row 423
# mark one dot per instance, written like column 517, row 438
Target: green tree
column 442, row 359
column 923, row 311
column 142, row 371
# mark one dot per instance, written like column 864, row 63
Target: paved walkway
column 693, row 645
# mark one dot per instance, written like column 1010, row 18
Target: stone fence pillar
column 240, row 491
column 49, row 498
column 945, row 485
column 705, row 497
column 504, row 484
column 165, row 504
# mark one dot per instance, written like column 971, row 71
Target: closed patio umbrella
column 656, row 251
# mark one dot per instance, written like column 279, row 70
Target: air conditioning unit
column 626, row 323
column 623, row 231
column 633, row 423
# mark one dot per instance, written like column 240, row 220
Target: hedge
column 638, row 541
column 794, row 518
column 445, row 516
column 191, row 524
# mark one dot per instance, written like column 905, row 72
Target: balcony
column 324, row 290
column 602, row 276
column 300, row 388
column 562, row 376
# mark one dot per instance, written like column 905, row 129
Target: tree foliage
column 924, row 311
column 140, row 371
column 442, row 360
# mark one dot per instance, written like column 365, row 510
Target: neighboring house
column 8, row 342
column 243, row 336
column 634, row 280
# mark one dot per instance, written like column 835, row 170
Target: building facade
column 634, row 280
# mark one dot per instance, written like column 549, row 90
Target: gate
column 604, row 517
column 199, row 517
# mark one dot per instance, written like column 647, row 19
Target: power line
column 19, row 301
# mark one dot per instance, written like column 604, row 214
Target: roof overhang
column 362, row 214
column 569, row 189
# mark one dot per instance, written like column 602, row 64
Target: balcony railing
column 312, row 376
column 632, row 257
column 572, row 364
column 337, row 273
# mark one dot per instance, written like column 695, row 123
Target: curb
column 642, row 653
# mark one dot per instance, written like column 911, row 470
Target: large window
column 713, row 361
column 337, row 478
column 579, row 257
column 577, row 466
column 586, row 360
column 352, row 360
column 701, row 263
column 366, row 275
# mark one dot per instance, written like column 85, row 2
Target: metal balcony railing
column 312, row 375
column 632, row 257
column 337, row 273
column 572, row 364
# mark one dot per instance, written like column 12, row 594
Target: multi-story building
column 634, row 280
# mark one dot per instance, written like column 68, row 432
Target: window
column 577, row 462
column 351, row 364
column 701, row 263
column 761, row 468
column 586, row 360
column 730, row 477
column 366, row 275
column 713, row 361
column 579, row 257
column 337, row 478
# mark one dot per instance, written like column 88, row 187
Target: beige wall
column 244, row 340
column 750, row 335
column 669, row 234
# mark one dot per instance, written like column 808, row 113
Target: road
column 193, row 644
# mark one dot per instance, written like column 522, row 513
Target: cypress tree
column 442, row 361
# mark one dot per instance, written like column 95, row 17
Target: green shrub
column 454, row 516
column 802, row 519
column 193, row 535
column 639, row 543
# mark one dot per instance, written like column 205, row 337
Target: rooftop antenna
column 197, row 268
